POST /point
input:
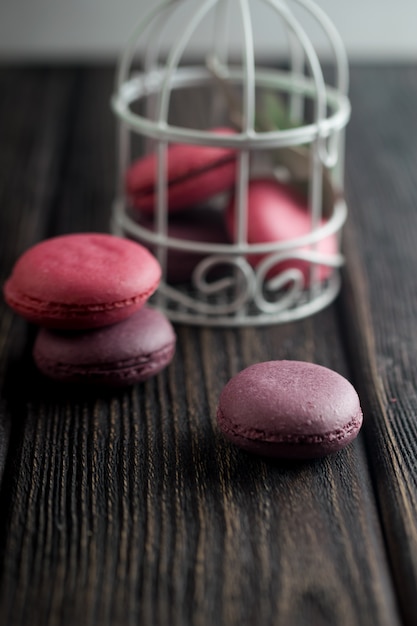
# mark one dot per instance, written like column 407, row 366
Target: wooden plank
column 128, row 507
column 86, row 189
column 380, row 304
column 34, row 110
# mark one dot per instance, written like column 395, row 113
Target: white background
column 97, row 29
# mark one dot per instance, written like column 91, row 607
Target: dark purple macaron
column 122, row 354
column 289, row 409
column 202, row 225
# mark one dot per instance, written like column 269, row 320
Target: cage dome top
column 228, row 35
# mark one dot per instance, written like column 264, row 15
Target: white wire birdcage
column 242, row 293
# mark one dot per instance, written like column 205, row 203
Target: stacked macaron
column 196, row 177
column 87, row 292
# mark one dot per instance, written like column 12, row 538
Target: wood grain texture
column 380, row 301
column 34, row 110
column 124, row 508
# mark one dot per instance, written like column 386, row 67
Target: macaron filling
column 149, row 189
column 253, row 434
column 30, row 304
column 139, row 368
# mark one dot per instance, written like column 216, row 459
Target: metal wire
column 243, row 294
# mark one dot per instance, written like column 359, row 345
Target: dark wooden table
column 127, row 508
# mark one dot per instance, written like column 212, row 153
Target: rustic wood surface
column 126, row 508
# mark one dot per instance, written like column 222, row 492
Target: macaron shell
column 277, row 213
column 289, row 409
column 194, row 174
column 83, row 280
column 122, row 354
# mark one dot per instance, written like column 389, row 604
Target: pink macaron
column 194, row 174
column 277, row 213
column 289, row 409
column 83, row 280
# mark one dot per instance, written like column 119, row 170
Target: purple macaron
column 202, row 225
column 289, row 409
column 122, row 354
